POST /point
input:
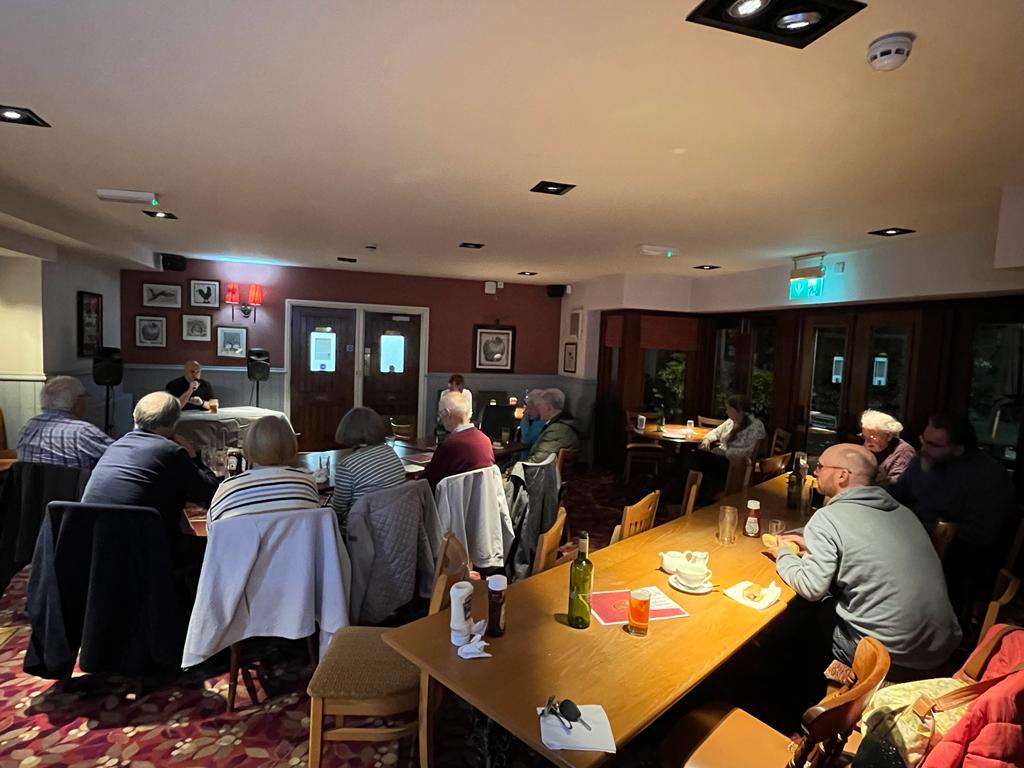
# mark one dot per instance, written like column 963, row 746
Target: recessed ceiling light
column 707, row 266
column 160, row 214
column 892, row 232
column 347, row 260
column 552, row 187
column 793, row 22
column 744, row 9
column 527, row 274
column 474, row 246
column 21, row 116
column 370, row 246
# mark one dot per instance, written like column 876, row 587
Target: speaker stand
column 108, row 425
column 257, row 393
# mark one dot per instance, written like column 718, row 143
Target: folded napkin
column 599, row 739
column 474, row 649
column 771, row 593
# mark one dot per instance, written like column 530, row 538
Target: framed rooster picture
column 205, row 293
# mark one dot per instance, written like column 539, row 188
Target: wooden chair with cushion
column 360, row 676
column 707, row 421
column 942, row 537
column 402, row 431
column 547, row 545
column 723, row 737
column 637, row 518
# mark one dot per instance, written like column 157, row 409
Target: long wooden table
column 672, row 433
column 634, row 679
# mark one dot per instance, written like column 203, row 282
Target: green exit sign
column 806, row 288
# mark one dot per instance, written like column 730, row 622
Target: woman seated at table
column 735, row 438
column 370, row 466
column 272, row 483
column 881, row 433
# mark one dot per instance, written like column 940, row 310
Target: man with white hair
column 153, row 467
column 874, row 559
column 881, row 433
column 465, row 449
column 190, row 389
column 58, row 435
column 559, row 427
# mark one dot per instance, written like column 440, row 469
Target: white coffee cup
column 693, row 578
column 671, row 560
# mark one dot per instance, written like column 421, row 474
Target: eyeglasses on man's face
column 820, row 467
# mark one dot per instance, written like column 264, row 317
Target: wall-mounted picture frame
column 90, row 323
column 230, row 342
column 150, row 331
column 494, row 348
column 196, row 327
column 161, row 295
column 569, row 357
column 204, row 293
column 576, row 324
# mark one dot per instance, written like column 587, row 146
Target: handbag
column 913, row 717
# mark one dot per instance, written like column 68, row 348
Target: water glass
column 639, row 612
column 728, row 519
column 689, row 427
column 776, row 526
column 506, row 434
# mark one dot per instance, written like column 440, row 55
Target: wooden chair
column 565, row 460
column 780, row 441
column 643, row 453
column 402, row 431
column 719, row 736
column 738, row 477
column 637, row 518
column 774, row 466
column 942, row 537
column 7, row 455
column 707, row 421
column 361, row 676
column 547, row 545
column 1006, row 589
column 690, row 491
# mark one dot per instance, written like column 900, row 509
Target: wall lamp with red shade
column 232, row 296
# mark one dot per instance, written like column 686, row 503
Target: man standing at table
column 874, row 559
column 465, row 449
column 192, row 392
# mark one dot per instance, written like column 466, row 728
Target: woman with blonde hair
column 881, row 433
column 272, row 483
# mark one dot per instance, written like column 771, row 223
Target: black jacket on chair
column 29, row 487
column 101, row 589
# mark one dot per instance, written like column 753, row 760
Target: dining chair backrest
column 639, row 517
column 780, row 441
column 738, row 477
column 690, row 491
column 829, row 723
column 651, row 417
column 547, row 545
column 942, row 537
column 565, row 460
column 452, row 566
column 775, row 465
column 707, row 421
column 1006, row 588
column 402, row 430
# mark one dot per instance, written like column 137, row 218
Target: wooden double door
column 341, row 357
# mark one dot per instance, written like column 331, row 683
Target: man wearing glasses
column 873, row 560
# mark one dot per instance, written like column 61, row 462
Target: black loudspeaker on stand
column 258, row 368
column 108, row 371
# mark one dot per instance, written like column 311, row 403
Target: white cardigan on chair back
column 472, row 505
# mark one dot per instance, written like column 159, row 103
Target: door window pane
column 323, row 346
column 664, row 380
column 392, row 353
column 827, row 374
column 888, row 368
column 726, row 378
column 762, row 380
column 995, row 407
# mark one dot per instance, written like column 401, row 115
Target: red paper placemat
column 612, row 607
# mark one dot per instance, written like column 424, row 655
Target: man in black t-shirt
column 192, row 392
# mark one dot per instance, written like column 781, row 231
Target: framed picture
column 90, row 323
column 204, row 293
column 569, row 357
column 160, row 295
column 196, row 327
column 494, row 348
column 150, row 331
column 230, row 342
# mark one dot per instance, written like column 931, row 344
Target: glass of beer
column 639, row 612
column 506, row 435
column 727, row 520
column 213, row 404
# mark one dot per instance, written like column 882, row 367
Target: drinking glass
column 728, row 518
column 776, row 526
column 506, row 433
column 639, row 612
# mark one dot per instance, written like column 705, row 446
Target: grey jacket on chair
column 532, row 493
column 394, row 539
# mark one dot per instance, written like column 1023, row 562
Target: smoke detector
column 890, row 52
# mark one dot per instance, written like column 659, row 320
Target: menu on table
column 418, row 458
column 612, row 607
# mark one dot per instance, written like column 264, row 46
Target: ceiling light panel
column 796, row 23
column 552, row 187
column 160, row 214
column 474, row 246
column 892, row 232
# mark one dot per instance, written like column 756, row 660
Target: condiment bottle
column 752, row 525
column 496, row 586
column 793, row 487
column 462, row 612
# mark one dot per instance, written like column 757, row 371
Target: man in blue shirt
column 531, row 424
column 58, row 435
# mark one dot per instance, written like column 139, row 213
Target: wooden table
column 428, row 443
column 650, row 431
column 635, row 679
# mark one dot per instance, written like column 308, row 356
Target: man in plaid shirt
column 58, row 435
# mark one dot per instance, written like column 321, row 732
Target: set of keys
column 566, row 711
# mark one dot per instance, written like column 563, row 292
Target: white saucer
column 703, row 589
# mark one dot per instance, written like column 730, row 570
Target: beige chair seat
column 739, row 739
column 360, row 665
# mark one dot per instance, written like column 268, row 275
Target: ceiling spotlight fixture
column 552, row 187
column 793, row 22
column 744, row 9
column 346, row 260
column 160, row 214
column 474, row 246
column 796, row 23
column 892, row 232
column 21, row 116
column 370, row 246
column 707, row 266
column 128, row 196
column 527, row 274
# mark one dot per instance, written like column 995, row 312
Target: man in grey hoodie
column 873, row 556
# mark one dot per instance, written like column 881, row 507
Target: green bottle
column 581, row 584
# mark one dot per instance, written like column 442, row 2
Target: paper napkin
column 771, row 593
column 599, row 739
column 474, row 649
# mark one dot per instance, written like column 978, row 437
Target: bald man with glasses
column 871, row 558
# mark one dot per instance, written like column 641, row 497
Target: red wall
column 455, row 306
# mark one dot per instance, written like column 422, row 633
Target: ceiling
column 299, row 132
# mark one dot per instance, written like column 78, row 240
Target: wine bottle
column 581, row 584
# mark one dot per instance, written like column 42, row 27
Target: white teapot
column 670, row 560
column 693, row 569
